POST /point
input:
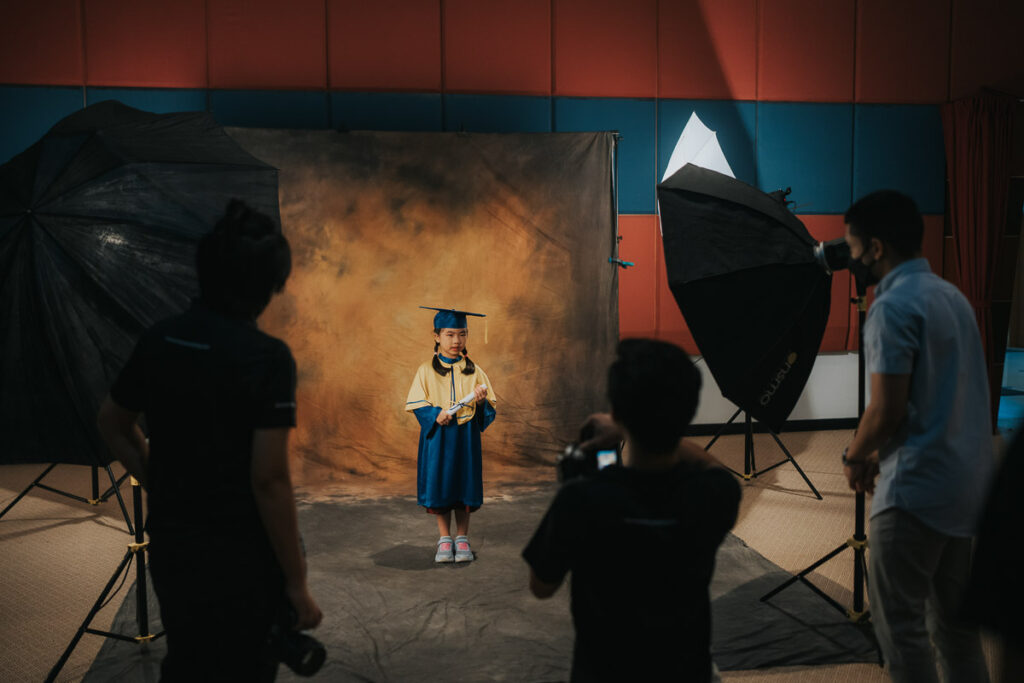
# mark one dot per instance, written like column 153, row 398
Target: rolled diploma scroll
column 464, row 402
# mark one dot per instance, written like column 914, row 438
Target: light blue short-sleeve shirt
column 938, row 466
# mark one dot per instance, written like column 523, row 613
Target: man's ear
column 877, row 247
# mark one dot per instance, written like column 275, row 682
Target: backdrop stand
column 136, row 551
column 750, row 470
column 113, row 490
column 858, row 614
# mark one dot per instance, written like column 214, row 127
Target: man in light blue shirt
column 926, row 434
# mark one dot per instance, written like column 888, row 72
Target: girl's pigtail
column 470, row 366
column 436, row 363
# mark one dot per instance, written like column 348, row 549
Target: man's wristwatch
column 847, row 462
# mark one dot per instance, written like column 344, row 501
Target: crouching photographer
column 639, row 537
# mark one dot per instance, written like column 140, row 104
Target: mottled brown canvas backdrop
column 519, row 227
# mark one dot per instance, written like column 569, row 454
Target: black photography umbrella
column 742, row 269
column 98, row 225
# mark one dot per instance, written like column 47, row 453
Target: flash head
column 832, row 255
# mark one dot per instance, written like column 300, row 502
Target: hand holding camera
column 599, row 445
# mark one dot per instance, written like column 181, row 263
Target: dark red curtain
column 977, row 132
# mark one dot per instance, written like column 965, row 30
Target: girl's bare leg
column 444, row 523
column 462, row 521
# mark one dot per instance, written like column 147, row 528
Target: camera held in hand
column 300, row 652
column 577, row 462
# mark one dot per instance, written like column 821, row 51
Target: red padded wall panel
column 143, row 44
column 606, row 48
column 671, row 325
column 902, row 51
column 824, row 228
column 638, row 313
column 707, row 49
column 41, row 42
column 385, row 45
column 806, row 51
column 988, row 48
column 267, row 44
column 498, row 47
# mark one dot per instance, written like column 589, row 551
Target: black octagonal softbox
column 742, row 269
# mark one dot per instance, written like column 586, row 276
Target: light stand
column 136, row 551
column 97, row 498
column 750, row 470
column 859, row 541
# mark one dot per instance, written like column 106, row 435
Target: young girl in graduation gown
column 449, row 477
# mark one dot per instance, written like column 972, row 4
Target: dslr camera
column 598, row 446
column 577, row 462
column 300, row 652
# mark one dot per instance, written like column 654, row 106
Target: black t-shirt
column 204, row 382
column 641, row 548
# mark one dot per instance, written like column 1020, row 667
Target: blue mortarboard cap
column 449, row 317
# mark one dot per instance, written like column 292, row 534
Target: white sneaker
column 445, row 551
column 463, row 553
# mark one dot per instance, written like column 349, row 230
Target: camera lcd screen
column 605, row 458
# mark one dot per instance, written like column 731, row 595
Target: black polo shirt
column 641, row 548
column 204, row 382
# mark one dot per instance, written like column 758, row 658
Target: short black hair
column 653, row 388
column 890, row 217
column 242, row 262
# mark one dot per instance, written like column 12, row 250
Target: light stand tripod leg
column 789, row 456
column 141, row 592
column 750, row 470
column 800, row 576
column 124, row 510
column 722, row 429
column 719, row 433
column 96, row 497
column 27, row 489
column 92, row 614
column 141, row 587
column 115, row 486
column 859, row 543
column 749, row 467
column 137, row 551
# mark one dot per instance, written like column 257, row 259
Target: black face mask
column 864, row 272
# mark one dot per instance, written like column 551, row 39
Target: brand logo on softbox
column 780, row 376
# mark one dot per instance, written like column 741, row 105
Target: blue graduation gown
column 449, row 471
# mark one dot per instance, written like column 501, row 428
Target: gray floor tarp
column 391, row 614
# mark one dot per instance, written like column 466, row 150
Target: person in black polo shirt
column 218, row 397
column 640, row 539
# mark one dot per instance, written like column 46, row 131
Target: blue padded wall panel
column 159, row 101
column 497, row 113
column 26, row 113
column 269, row 108
column 734, row 122
column 635, row 120
column 900, row 147
column 386, row 111
column 807, row 147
